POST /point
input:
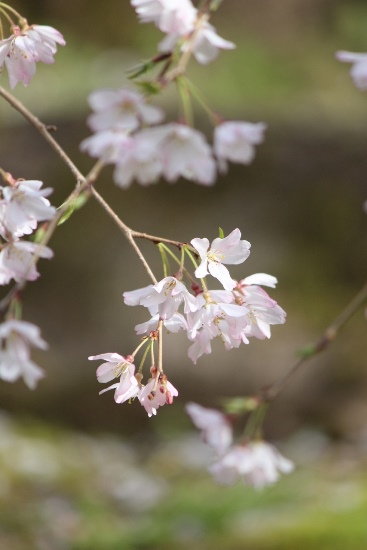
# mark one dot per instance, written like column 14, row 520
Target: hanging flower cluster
column 127, row 135
column 185, row 28
column 26, row 45
column 128, row 130
column 255, row 462
column 22, row 206
column 240, row 310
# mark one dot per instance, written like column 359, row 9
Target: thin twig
column 271, row 392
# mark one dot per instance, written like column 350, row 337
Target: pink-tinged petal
column 260, row 279
column 220, row 272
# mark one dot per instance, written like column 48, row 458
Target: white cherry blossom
column 216, row 430
column 235, row 141
column 121, row 109
column 16, row 338
column 230, row 250
column 117, row 366
column 16, row 261
column 358, row 71
column 185, row 152
column 258, row 464
column 152, row 399
column 163, row 298
column 206, row 43
column 23, row 205
column 174, row 324
column 263, row 311
column 25, row 47
column 170, row 16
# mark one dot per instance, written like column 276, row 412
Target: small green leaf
column 214, row 4
column 66, row 215
column 149, row 87
column 307, row 351
column 141, row 69
column 221, row 233
column 239, row 405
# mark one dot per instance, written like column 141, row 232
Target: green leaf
column 239, row 405
column 149, row 87
column 214, row 4
column 221, row 233
column 307, row 351
column 141, row 69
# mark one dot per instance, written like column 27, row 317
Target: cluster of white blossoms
column 185, row 27
column 234, row 314
column 240, row 310
column 27, row 45
column 256, row 463
column 128, row 131
column 156, row 393
column 22, row 206
column 127, row 134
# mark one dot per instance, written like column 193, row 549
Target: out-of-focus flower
column 358, row 71
column 258, row 464
column 235, row 141
column 216, row 430
column 230, row 250
column 185, row 152
column 121, row 109
column 152, row 399
column 16, row 338
column 174, row 17
column 17, row 261
column 117, row 366
column 23, row 205
column 25, row 47
column 206, row 43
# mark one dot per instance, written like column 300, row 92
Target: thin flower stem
column 186, row 101
column 12, row 10
column 150, row 347
column 126, row 230
column 44, row 130
column 269, row 393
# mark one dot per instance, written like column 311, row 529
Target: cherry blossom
column 16, row 338
column 174, row 324
column 117, row 366
column 121, row 109
column 263, row 311
column 258, row 464
column 230, row 250
column 23, row 205
column 358, row 71
column 185, row 152
column 206, row 43
column 216, row 430
column 235, row 141
column 25, row 47
column 151, row 399
column 17, row 261
column 163, row 298
column 175, row 17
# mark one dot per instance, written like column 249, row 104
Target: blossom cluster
column 256, row 462
column 185, row 27
column 22, row 205
column 156, row 393
column 240, row 310
column 26, row 46
column 127, row 134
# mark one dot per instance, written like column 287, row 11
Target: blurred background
column 78, row 471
